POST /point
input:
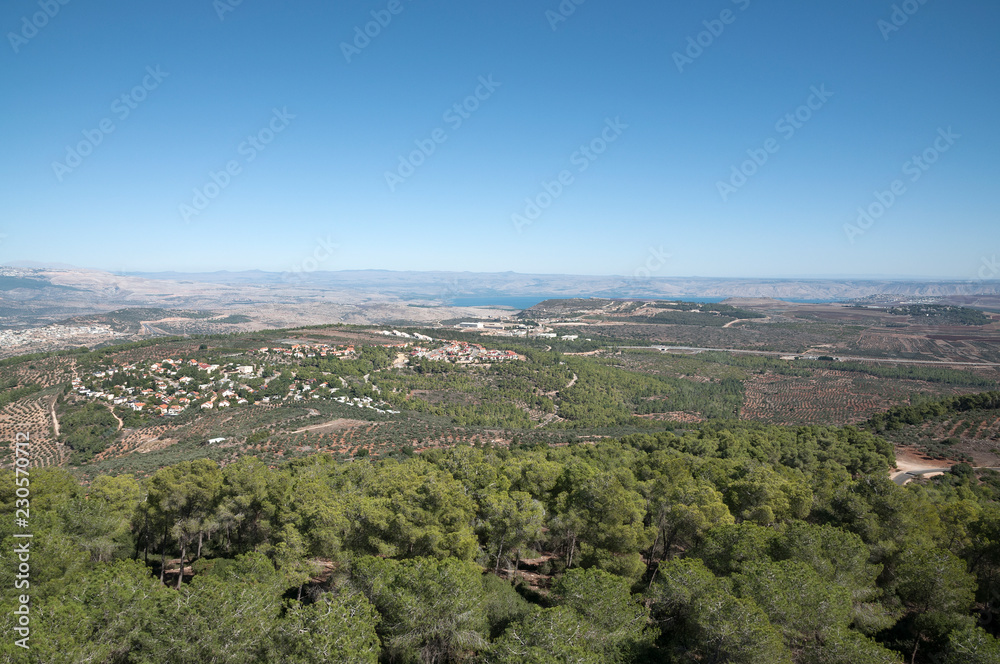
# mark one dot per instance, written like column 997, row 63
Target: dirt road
column 120, row 423
column 910, row 467
column 55, row 420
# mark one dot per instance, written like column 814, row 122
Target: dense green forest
column 725, row 543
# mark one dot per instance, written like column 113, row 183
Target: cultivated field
column 830, row 397
column 33, row 416
column 974, row 434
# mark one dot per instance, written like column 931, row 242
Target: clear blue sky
column 682, row 127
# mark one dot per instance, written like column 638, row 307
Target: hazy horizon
column 41, row 265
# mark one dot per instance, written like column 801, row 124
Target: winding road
column 553, row 415
column 115, row 415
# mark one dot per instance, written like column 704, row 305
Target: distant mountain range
column 447, row 285
column 36, row 296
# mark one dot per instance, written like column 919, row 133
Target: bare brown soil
column 910, row 459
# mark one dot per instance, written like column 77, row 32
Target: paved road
column 849, row 358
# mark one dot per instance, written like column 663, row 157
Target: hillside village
column 170, row 386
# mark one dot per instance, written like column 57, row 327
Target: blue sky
column 606, row 138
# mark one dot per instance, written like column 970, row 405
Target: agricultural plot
column 830, row 397
column 32, row 416
column 971, row 348
column 233, row 425
column 154, row 352
column 44, row 373
column 885, row 344
column 777, row 333
column 269, row 431
column 698, row 368
column 931, row 344
column 796, row 328
column 973, row 435
column 284, row 432
column 410, row 435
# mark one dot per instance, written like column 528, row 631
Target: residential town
column 501, row 329
column 171, row 386
column 169, row 392
column 464, row 353
column 52, row 337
